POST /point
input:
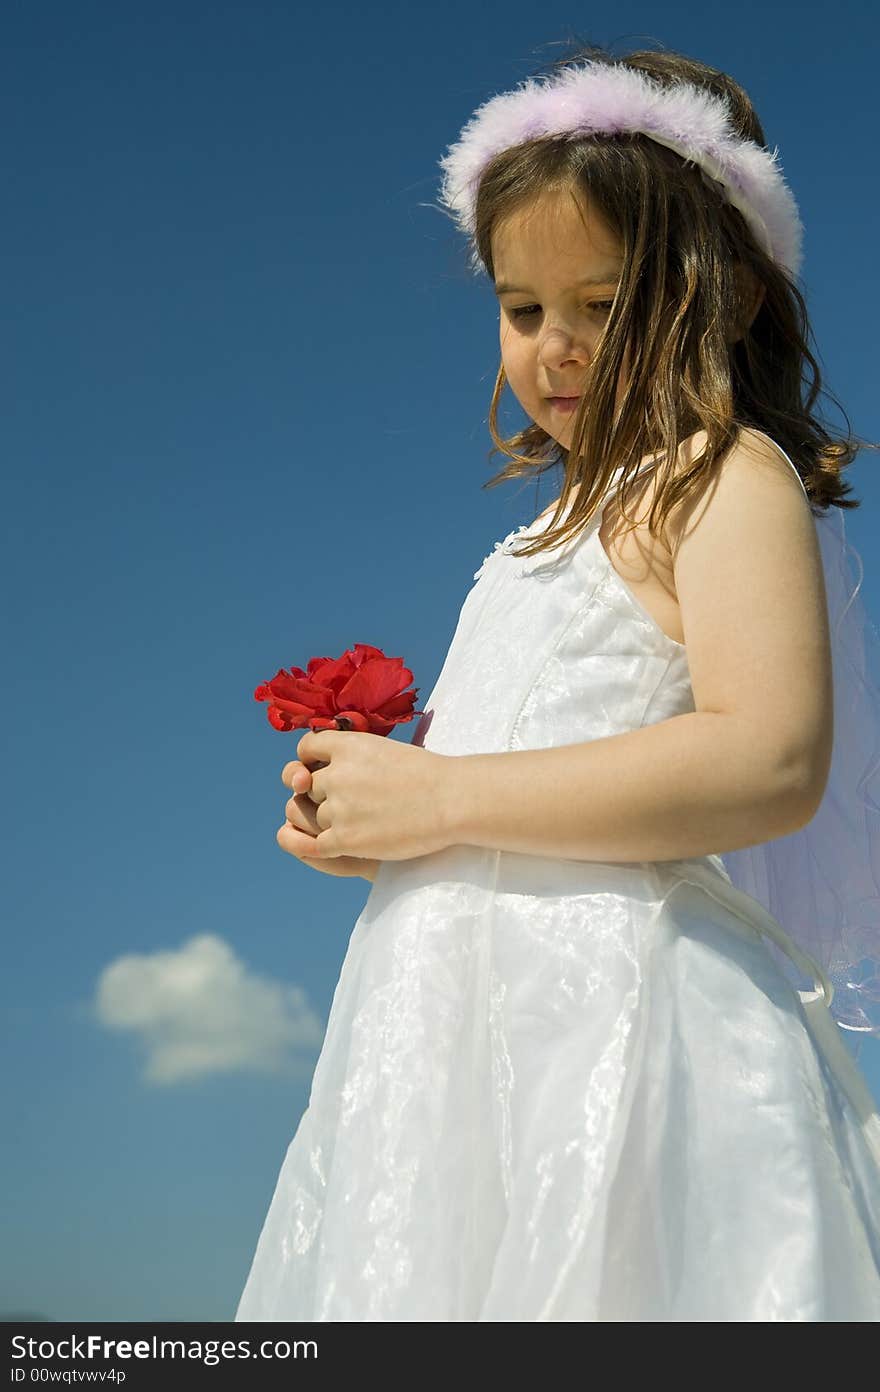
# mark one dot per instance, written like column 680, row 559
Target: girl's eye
column 526, row 311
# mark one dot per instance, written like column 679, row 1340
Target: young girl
column 566, row 1075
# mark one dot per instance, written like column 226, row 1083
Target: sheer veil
column 822, row 883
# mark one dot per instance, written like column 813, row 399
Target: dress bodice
column 552, row 649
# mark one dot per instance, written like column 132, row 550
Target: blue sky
column 246, row 387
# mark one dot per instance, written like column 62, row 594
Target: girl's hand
column 374, row 798
column 300, row 813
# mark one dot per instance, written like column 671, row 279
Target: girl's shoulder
column 753, row 467
column 749, row 580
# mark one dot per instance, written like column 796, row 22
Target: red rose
column 361, row 690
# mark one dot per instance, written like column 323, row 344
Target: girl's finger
column 295, row 775
column 296, row 842
column 300, row 812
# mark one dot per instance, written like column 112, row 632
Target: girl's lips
column 566, row 404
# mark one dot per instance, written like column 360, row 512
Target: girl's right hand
column 304, row 820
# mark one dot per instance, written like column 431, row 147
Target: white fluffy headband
column 598, row 98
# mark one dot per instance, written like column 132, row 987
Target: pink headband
column 596, row 98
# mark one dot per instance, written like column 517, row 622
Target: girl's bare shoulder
column 750, row 586
column 754, row 464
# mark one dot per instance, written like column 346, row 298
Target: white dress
column 570, row 1090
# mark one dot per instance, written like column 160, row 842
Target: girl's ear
column 751, row 293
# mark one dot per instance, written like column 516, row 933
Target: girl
column 566, row 1075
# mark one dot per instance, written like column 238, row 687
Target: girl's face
column 556, row 269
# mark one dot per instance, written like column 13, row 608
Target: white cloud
column 198, row 1011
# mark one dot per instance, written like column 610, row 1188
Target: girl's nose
column 559, row 347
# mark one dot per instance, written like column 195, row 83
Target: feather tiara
column 597, row 98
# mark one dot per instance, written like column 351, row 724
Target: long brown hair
column 679, row 307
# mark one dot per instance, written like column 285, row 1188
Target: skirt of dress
column 558, row 1090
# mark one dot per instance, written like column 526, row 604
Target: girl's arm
column 697, row 784
column 752, row 761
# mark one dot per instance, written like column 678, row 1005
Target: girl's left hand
column 377, row 798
